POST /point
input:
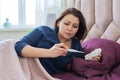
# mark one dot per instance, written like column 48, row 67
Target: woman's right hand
column 59, row 49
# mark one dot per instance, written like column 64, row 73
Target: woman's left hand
column 97, row 58
column 94, row 55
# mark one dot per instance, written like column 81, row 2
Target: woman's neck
column 67, row 42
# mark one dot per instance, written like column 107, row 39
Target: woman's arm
column 26, row 47
column 57, row 50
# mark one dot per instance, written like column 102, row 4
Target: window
column 8, row 9
column 22, row 13
column 30, row 12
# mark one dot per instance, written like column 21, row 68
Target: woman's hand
column 94, row 55
column 97, row 58
column 58, row 50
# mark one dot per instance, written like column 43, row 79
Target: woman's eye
column 75, row 26
column 66, row 23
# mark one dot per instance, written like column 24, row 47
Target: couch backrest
column 102, row 18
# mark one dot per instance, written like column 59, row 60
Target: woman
column 51, row 45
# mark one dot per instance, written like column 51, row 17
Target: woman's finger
column 62, row 45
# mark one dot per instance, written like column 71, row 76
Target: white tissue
column 93, row 53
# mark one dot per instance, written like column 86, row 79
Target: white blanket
column 13, row 67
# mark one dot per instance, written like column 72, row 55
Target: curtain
column 46, row 7
column 67, row 3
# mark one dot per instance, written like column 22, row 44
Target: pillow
column 95, row 43
column 109, row 47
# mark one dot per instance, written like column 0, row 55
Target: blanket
column 106, row 69
column 109, row 66
column 13, row 67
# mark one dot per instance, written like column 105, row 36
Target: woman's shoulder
column 45, row 28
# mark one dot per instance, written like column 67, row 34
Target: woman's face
column 68, row 26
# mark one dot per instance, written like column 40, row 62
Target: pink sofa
column 103, row 21
column 102, row 18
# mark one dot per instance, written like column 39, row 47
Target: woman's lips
column 69, row 34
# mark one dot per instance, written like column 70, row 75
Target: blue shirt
column 45, row 37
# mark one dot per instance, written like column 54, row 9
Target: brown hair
column 82, row 31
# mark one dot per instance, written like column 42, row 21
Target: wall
column 13, row 33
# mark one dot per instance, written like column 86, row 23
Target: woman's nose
column 69, row 27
